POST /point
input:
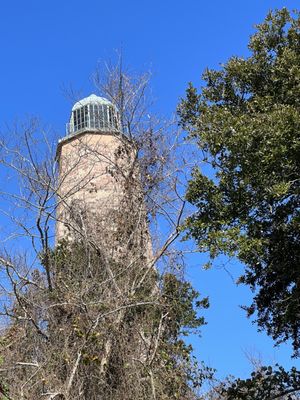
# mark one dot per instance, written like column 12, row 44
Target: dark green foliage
column 266, row 384
column 181, row 302
column 246, row 121
column 181, row 305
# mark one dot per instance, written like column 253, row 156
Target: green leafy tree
column 266, row 384
column 246, row 121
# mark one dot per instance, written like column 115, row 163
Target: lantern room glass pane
column 105, row 116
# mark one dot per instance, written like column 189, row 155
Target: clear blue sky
column 47, row 45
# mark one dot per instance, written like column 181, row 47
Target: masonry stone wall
column 100, row 193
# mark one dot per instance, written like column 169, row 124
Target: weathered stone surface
column 100, row 194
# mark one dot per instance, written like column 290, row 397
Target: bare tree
column 95, row 316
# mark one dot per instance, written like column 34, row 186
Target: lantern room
column 93, row 114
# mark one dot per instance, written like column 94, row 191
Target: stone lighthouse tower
column 100, row 195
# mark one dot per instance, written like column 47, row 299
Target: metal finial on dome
column 93, row 113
